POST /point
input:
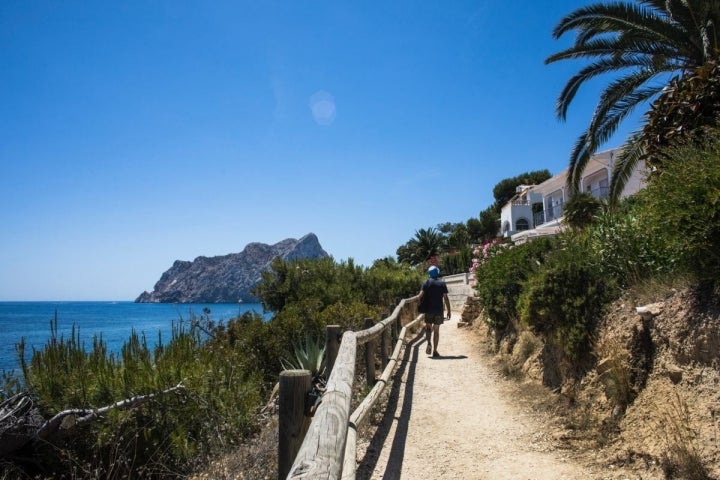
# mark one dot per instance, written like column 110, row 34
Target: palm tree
column 427, row 242
column 581, row 209
column 647, row 44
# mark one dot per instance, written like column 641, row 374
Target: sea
column 114, row 321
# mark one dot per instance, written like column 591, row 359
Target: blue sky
column 136, row 133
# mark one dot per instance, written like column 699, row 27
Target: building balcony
column 548, row 215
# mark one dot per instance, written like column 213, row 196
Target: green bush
column 501, row 276
column 313, row 285
column 387, row 282
column 623, row 248
column 563, row 299
column 256, row 344
column 681, row 206
column 456, row 262
column 350, row 316
column 307, row 295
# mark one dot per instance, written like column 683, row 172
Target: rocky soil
column 665, row 354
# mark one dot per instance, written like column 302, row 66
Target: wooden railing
column 328, row 450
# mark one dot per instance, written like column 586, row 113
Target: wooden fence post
column 292, row 422
column 399, row 321
column 332, row 346
column 370, row 355
column 384, row 347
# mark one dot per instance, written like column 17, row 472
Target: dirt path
column 450, row 418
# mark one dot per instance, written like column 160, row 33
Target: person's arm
column 447, row 304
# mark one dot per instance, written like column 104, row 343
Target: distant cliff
column 227, row 278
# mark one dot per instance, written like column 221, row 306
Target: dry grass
column 655, row 288
column 526, row 346
column 511, row 364
column 682, row 458
column 614, row 372
column 256, row 459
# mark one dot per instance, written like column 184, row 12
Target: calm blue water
column 114, row 320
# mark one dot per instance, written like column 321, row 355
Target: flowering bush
column 482, row 253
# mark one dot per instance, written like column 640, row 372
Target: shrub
column 387, row 282
column 682, row 207
column 500, row 279
column 310, row 286
column 349, row 316
column 257, row 344
column 213, row 408
column 624, row 250
column 456, row 262
column 563, row 299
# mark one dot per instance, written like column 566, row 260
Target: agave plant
column 309, row 355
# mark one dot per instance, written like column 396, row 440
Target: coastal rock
column 227, row 278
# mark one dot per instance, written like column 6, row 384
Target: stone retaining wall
column 459, row 288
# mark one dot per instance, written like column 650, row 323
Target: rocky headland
column 227, row 278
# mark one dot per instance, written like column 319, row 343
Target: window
column 522, row 224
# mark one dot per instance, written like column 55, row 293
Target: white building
column 517, row 219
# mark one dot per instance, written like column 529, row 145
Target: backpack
column 422, row 304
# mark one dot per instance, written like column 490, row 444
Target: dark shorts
column 434, row 318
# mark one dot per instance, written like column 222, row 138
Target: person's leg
column 428, row 331
column 436, row 336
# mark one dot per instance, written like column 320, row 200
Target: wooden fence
column 328, row 449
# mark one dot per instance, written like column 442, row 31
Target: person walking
column 437, row 297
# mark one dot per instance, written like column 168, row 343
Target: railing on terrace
column 538, row 218
column 548, row 215
column 328, row 449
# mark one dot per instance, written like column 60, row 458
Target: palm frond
column 640, row 41
column 601, row 18
column 625, row 164
column 600, row 67
column 619, row 99
column 579, row 158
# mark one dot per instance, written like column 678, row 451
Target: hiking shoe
column 428, row 349
column 436, row 354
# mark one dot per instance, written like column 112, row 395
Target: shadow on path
column 397, row 450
